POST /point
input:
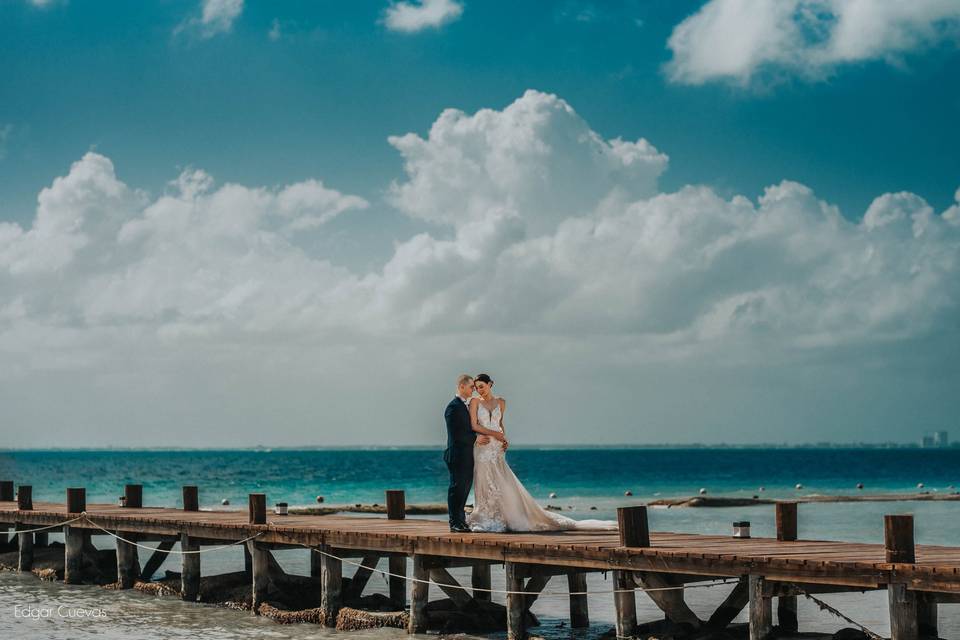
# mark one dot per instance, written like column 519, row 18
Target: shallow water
column 581, row 478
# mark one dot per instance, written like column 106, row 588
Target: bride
column 501, row 503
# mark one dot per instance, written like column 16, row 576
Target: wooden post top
column 6, row 490
column 191, row 498
column 134, row 496
column 396, row 504
column 786, row 521
column 76, row 499
column 634, row 529
column 25, row 497
column 257, row 508
column 898, row 538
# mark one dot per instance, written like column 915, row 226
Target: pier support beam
column 516, row 603
column 419, row 595
column 397, row 565
column 25, row 555
column 579, row 609
column 128, row 560
column 331, row 582
column 480, row 579
column 761, row 610
column 316, row 562
column 625, row 603
column 73, row 555
column 260, row 573
column 927, row 615
column 190, row 569
column 731, row 606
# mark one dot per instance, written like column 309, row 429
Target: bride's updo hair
column 482, row 377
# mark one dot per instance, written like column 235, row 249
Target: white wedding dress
column 501, row 503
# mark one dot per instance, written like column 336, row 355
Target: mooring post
column 73, row 537
column 6, row 490
column 257, row 508
column 419, row 595
column 634, row 532
column 133, row 494
column 397, row 565
column 191, row 498
column 761, row 610
column 24, row 540
column 579, row 611
column 189, row 568
column 260, row 573
column 480, row 581
column 899, row 547
column 516, row 603
column 786, row 513
column 331, row 586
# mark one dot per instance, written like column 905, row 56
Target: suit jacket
column 459, row 432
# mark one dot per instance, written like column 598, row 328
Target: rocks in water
column 551, row 507
column 314, row 615
column 849, row 633
column 350, row 619
column 48, row 575
column 159, row 588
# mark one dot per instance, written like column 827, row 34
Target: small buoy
column 761, row 489
column 224, row 502
column 628, row 493
column 799, row 486
column 919, row 485
column 593, row 508
column 703, row 492
column 859, row 485
column 319, row 499
column 552, row 495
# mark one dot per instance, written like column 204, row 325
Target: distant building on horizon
column 935, row 440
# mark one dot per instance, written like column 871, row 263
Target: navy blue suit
column 459, row 458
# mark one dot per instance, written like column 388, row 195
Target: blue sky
column 268, row 95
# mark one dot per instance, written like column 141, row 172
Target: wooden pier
column 767, row 574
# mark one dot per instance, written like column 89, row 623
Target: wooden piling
column 259, row 574
column 634, row 529
column 41, row 539
column 579, row 607
column 786, row 515
column 248, row 562
column 480, row 580
column 419, row 595
column 128, row 561
column 397, row 565
column 189, row 568
column 516, row 603
column 76, row 500
column 25, row 497
column 257, row 508
column 761, row 610
column 396, row 504
column 134, row 496
column 331, row 581
column 898, row 538
column 316, row 560
column 899, row 547
column 6, row 490
column 625, row 603
column 25, row 546
column 927, row 615
column 73, row 554
column 191, row 498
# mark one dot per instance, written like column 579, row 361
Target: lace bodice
column 490, row 419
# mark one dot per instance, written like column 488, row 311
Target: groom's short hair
column 464, row 379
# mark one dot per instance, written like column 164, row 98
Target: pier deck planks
column 843, row 563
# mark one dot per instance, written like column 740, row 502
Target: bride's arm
column 503, row 428
column 475, row 424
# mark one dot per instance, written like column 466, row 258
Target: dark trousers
column 459, row 461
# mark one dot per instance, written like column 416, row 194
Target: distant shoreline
column 540, row 447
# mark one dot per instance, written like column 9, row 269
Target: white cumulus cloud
column 216, row 17
column 417, row 15
column 545, row 249
column 735, row 40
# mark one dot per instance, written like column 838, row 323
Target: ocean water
column 588, row 483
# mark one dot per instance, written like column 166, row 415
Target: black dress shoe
column 459, row 528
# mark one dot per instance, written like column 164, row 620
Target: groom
column 459, row 452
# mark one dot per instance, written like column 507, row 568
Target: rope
column 564, row 594
column 51, row 526
column 826, row 607
column 180, row 552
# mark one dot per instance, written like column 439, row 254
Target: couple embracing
column 476, row 455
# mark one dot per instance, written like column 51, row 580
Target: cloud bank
column 735, row 40
column 546, row 248
column 216, row 17
column 417, row 15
